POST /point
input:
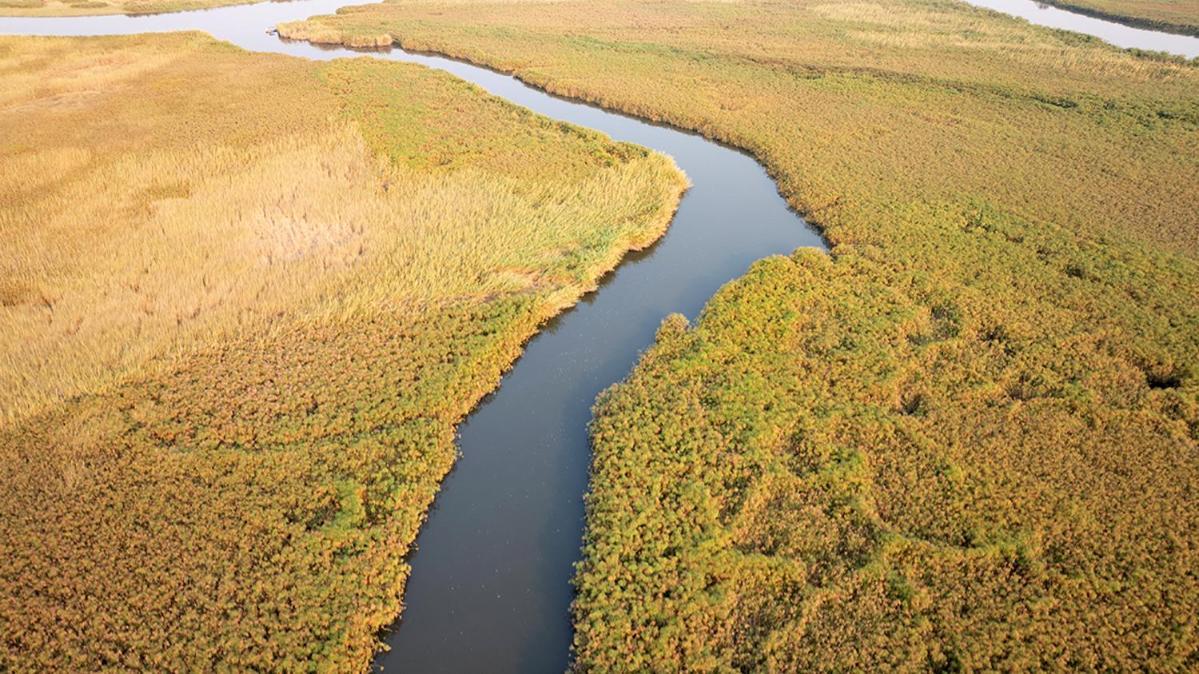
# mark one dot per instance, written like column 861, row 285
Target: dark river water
column 490, row 587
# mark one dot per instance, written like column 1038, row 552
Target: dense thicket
column 245, row 300
column 801, row 484
column 968, row 439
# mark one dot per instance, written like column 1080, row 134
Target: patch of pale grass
column 112, row 256
column 155, row 251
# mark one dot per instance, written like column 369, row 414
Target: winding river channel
column 1119, row 34
column 490, row 587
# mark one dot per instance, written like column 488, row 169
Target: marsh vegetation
column 967, row 439
column 246, row 298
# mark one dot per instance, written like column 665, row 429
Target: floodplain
column 966, row 438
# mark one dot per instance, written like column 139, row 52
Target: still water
column 1108, row 31
column 490, row 587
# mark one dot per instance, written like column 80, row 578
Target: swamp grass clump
column 968, row 438
column 244, row 300
column 795, row 485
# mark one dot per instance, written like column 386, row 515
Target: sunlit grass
column 244, row 300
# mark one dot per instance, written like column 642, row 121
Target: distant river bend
column 1118, row 34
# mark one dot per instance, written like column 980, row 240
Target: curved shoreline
column 1126, row 19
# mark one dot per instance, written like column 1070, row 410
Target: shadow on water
column 490, row 586
column 497, row 552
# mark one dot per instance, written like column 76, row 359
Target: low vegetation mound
column 244, row 300
column 796, row 485
column 967, row 439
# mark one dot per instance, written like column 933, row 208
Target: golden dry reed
column 969, row 439
column 244, row 299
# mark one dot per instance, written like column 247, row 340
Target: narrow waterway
column 490, row 587
column 1116, row 33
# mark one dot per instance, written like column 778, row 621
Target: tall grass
column 967, row 439
column 245, row 300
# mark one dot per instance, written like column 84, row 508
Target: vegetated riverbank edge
column 382, row 43
column 343, row 402
column 1155, row 44
column 305, row 30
